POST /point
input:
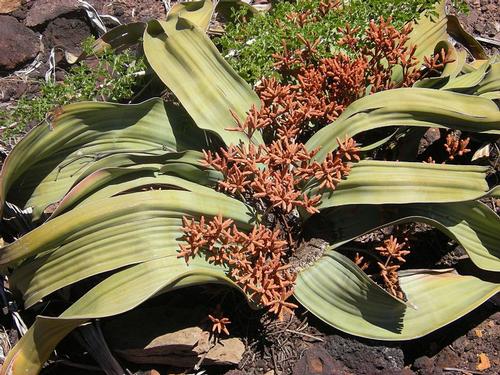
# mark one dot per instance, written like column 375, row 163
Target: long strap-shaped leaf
column 339, row 293
column 119, row 38
column 119, row 293
column 382, row 182
column 46, row 163
column 334, row 289
column 124, row 36
column 432, row 29
column 105, row 183
column 491, row 83
column 139, row 241
column 450, row 70
column 472, row 224
column 428, row 31
column 97, row 214
column 141, row 160
column 108, row 234
column 457, row 32
column 200, row 12
column 409, row 107
column 189, row 64
column 468, row 81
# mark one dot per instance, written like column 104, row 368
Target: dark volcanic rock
column 362, row 358
column 483, row 20
column 18, row 44
column 317, row 361
column 345, row 356
column 67, row 33
column 46, row 10
column 14, row 88
column 423, row 365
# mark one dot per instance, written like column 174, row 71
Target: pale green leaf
column 458, row 33
column 107, row 182
column 467, row 81
column 339, row 293
column 117, row 294
column 197, row 12
column 491, row 83
column 419, row 107
column 119, row 38
column 472, row 224
column 209, row 89
column 382, row 182
column 51, row 158
column 107, row 234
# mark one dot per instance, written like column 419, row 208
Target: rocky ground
column 31, row 29
column 302, row 345
column 483, row 21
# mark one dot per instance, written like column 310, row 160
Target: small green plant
column 249, row 43
column 104, row 77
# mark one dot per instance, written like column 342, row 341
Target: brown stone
column 176, row 340
column 12, row 89
column 317, row 361
column 432, row 135
column 447, row 358
column 47, row 10
column 227, row 351
column 424, row 365
column 7, row 6
column 185, row 347
column 18, row 44
column 66, row 33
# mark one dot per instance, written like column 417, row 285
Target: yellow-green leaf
column 117, row 294
column 52, row 157
column 382, row 182
column 209, row 89
column 419, row 107
column 472, row 224
column 339, row 293
column 108, row 234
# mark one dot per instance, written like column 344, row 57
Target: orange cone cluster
column 255, row 259
column 455, row 146
column 316, row 91
column 394, row 253
column 274, row 174
column 271, row 176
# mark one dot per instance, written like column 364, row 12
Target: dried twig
column 305, row 334
column 488, row 41
column 464, row 371
column 274, row 361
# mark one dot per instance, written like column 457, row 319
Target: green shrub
column 249, row 46
column 112, row 77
